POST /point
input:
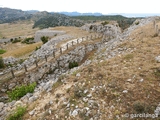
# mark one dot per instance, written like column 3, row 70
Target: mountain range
column 9, row 15
column 51, row 19
column 136, row 14
column 100, row 14
column 81, row 14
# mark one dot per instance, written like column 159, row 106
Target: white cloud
column 103, row 6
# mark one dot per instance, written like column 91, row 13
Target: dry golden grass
column 20, row 28
column 63, row 42
column 60, row 44
column 74, row 31
column 114, row 73
column 144, row 31
column 24, row 28
column 20, row 50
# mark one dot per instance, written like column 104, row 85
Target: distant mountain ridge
column 32, row 11
column 81, row 14
column 45, row 19
column 9, row 15
column 136, row 14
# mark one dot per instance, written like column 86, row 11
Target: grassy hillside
column 109, row 88
column 19, row 50
column 16, row 29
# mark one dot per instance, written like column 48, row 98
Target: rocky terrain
column 117, row 76
column 46, row 32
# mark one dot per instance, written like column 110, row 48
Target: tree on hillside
column 44, row 39
column 1, row 63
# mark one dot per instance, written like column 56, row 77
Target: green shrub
column 21, row 61
column 28, row 40
column 91, row 27
column 137, row 23
column 105, row 23
column 155, row 35
column 1, row 63
column 19, row 92
column 73, row 64
column 125, row 23
column 44, row 39
column 11, row 39
column 9, row 65
column 37, row 48
column 2, row 51
column 16, row 40
column 17, row 114
column 139, row 107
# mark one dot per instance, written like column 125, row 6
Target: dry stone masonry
column 109, row 31
column 47, row 32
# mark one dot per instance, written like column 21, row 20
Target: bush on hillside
column 20, row 91
column 155, row 35
column 73, row 64
column 105, row 23
column 142, row 107
column 2, row 51
column 91, row 27
column 2, row 65
column 137, row 23
column 125, row 23
column 28, row 40
column 17, row 114
column 37, row 48
column 44, row 39
column 15, row 40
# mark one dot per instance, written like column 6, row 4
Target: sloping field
column 20, row 50
column 73, row 31
column 16, row 29
column 127, row 83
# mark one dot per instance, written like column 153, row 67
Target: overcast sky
column 102, row 6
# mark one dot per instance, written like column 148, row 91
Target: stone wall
column 45, row 50
column 48, row 52
column 51, row 70
column 47, row 32
column 109, row 31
